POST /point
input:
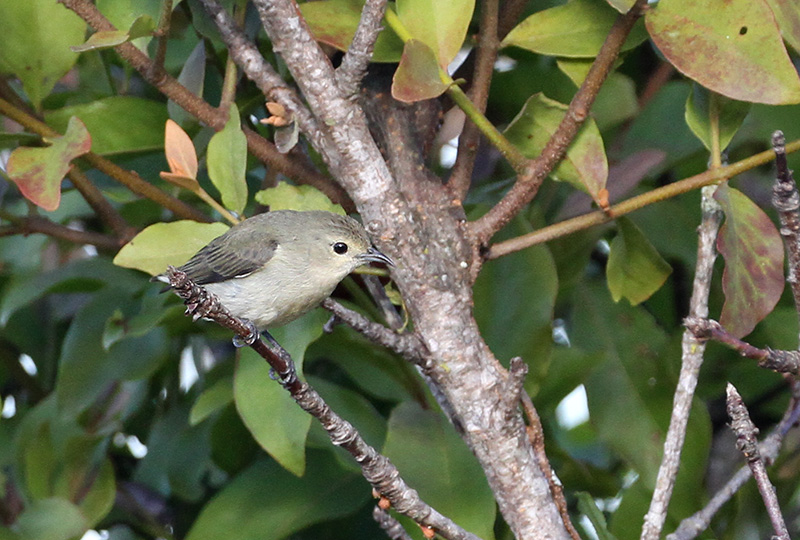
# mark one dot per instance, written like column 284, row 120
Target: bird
column 274, row 267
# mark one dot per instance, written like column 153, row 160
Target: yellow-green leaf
column 704, row 108
column 227, row 162
column 442, row 26
column 288, row 197
column 106, row 39
column 164, row 244
column 635, row 270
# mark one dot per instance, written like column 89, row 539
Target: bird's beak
column 373, row 255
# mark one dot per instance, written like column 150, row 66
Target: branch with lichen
column 376, row 468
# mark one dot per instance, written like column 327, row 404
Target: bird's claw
column 249, row 339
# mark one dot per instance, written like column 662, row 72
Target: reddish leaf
column 417, row 76
column 733, row 48
column 38, row 171
column 181, row 157
column 753, row 251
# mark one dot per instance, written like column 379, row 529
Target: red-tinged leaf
column 335, row 21
column 576, row 29
column 417, row 76
column 585, row 165
column 733, row 48
column 442, row 26
column 753, row 278
column 38, row 171
column 179, row 148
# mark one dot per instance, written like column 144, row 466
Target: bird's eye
column 340, row 248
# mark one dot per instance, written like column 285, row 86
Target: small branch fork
column 377, row 469
column 746, row 441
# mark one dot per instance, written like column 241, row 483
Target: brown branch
column 485, row 56
column 569, row 226
column 107, row 213
column 162, row 37
column 211, row 116
column 377, row 469
column 786, row 201
column 509, row 16
column 527, row 184
column 354, row 64
column 126, row 178
column 779, row 361
column 746, row 441
column 406, row 345
column 692, row 351
column 769, row 448
column 40, row 224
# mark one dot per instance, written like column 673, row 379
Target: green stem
column 209, row 200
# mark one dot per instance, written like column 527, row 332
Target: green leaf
column 584, row 166
column 35, row 37
column 264, row 502
column 576, row 29
column 109, row 122
column 285, row 196
column 420, row 442
column 270, row 414
column 212, row 399
column 788, row 16
column 124, row 14
column 51, row 519
column 106, row 39
column 38, row 171
column 615, row 103
column 588, row 508
column 192, row 76
column 335, row 21
column 164, row 244
column 227, row 162
column 635, row 270
column 753, row 279
column 441, row 26
column 417, row 77
column 727, row 113
column 698, row 38
column 519, row 291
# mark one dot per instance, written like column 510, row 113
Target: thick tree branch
column 746, row 441
column 354, row 64
column 527, row 184
column 169, row 86
column 377, row 469
column 39, row 224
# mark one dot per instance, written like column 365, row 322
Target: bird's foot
column 250, row 338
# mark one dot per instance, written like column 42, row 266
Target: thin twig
column 569, row 226
column 692, row 351
column 40, row 224
column 170, row 87
column 776, row 360
column 786, row 201
column 485, row 56
column 390, row 526
column 354, row 64
column 94, row 197
column 746, row 441
column 769, row 448
column 162, row 35
column 527, row 184
column 406, row 345
column 377, row 469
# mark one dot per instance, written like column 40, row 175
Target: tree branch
column 747, row 443
column 354, row 64
column 569, row 226
column 485, row 56
column 40, row 224
column 527, row 184
column 169, row 86
column 377, row 469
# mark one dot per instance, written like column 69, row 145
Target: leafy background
column 125, row 417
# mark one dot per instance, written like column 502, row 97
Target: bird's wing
column 234, row 256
